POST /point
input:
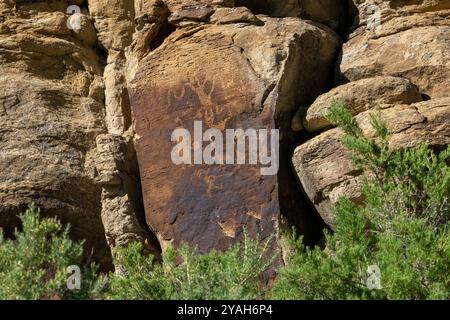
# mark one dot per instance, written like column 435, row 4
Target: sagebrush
column 186, row 275
column 402, row 229
column 34, row 264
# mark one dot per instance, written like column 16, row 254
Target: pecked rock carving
column 209, row 205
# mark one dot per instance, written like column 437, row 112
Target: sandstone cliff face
column 63, row 113
column 51, row 96
column 91, row 91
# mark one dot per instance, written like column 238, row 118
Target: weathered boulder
column 116, row 163
column 397, row 54
column 114, row 21
column 325, row 169
column 359, row 96
column 83, row 28
column 228, row 77
column 420, row 54
column 397, row 15
column 407, row 39
column 64, row 119
column 234, row 15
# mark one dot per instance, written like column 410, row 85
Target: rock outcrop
column 359, row 96
column 325, row 168
column 396, row 57
column 409, row 39
column 62, row 114
column 92, row 91
column 241, row 75
column 51, row 111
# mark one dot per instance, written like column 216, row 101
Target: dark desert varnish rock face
column 201, row 204
column 212, row 77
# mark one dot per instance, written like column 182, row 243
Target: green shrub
column 34, row 265
column 403, row 228
column 234, row 274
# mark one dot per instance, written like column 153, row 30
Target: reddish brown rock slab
column 209, row 77
column 205, row 205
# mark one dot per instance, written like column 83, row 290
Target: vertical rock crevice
column 122, row 203
column 297, row 209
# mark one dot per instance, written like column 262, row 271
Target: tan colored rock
column 46, row 152
column 325, row 170
column 116, row 163
column 398, row 54
column 234, row 15
column 117, row 173
column 83, row 29
column 359, row 96
column 50, row 114
column 52, row 109
column 114, row 21
column 407, row 39
column 434, row 130
column 151, row 20
column 117, row 104
column 324, row 167
column 421, row 55
column 398, row 15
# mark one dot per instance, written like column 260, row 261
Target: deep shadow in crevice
column 352, row 17
column 133, row 188
column 425, row 97
column 297, row 208
column 152, row 240
column 164, row 32
column 140, row 216
column 256, row 6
